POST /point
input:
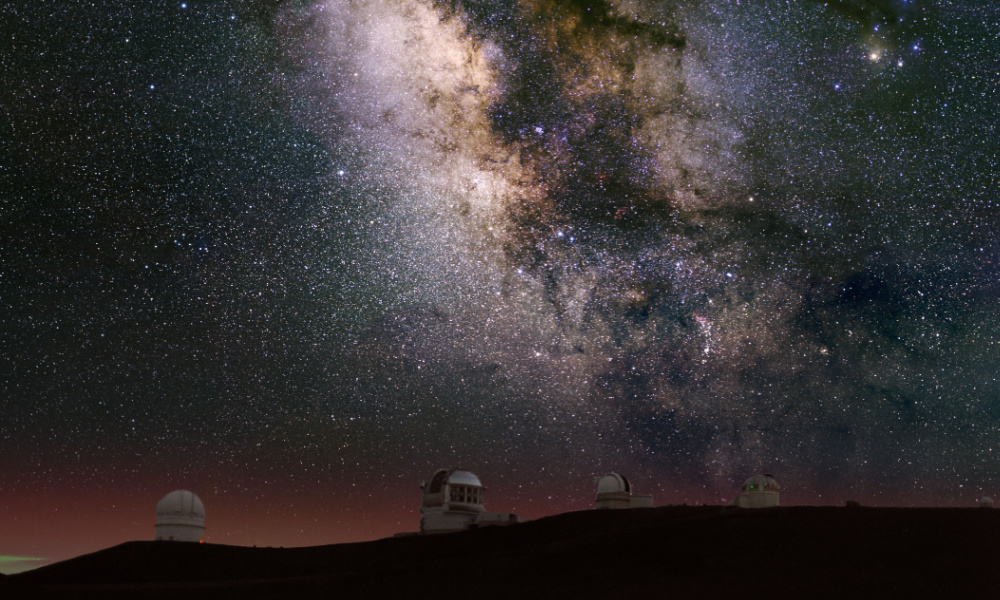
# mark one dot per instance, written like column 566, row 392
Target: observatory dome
column 613, row 483
column 761, row 483
column 615, row 491
column 456, row 489
column 453, row 501
column 180, row 516
column 759, row 491
column 463, row 477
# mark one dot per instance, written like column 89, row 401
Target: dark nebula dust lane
column 305, row 253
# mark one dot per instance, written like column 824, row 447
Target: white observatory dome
column 180, row 517
column 759, row 491
column 456, row 489
column 986, row 502
column 615, row 491
column 613, row 483
column 453, row 501
column 761, row 483
column 463, row 477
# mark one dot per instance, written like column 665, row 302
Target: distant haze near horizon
column 296, row 256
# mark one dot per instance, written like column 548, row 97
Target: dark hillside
column 686, row 552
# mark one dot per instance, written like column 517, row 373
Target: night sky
column 295, row 256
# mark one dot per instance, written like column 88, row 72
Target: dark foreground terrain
column 667, row 552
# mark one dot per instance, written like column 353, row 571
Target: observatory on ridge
column 615, row 491
column 758, row 491
column 453, row 501
column 180, row 517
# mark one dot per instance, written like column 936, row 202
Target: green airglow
column 10, row 565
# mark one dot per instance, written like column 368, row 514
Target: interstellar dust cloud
column 603, row 249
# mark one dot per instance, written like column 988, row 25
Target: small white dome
column 758, row 491
column 180, row 517
column 986, row 502
column 613, row 483
column 181, row 504
column 760, row 483
column 463, row 477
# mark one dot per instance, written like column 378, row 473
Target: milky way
column 296, row 253
column 655, row 227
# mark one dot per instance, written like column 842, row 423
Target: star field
column 295, row 256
